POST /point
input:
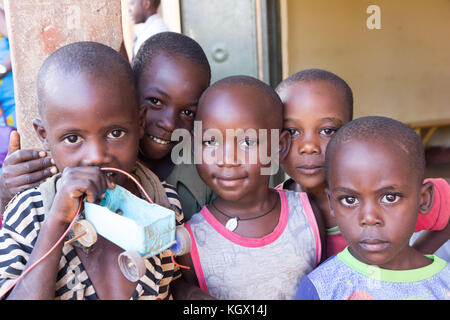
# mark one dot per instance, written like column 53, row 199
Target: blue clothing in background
column 7, row 90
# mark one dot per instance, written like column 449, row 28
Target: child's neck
column 161, row 167
column 258, row 213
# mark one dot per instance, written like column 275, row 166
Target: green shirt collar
column 377, row 273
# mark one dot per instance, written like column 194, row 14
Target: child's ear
column 327, row 192
column 285, row 144
column 41, row 133
column 426, row 197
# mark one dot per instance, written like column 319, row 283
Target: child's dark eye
column 390, row 198
column 115, row 134
column 328, row 131
column 248, row 143
column 349, row 201
column 188, row 113
column 210, row 143
column 72, row 139
column 293, row 132
column 154, row 101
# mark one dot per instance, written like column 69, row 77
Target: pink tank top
column 229, row 266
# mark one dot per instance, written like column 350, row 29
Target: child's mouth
column 158, row 140
column 229, row 182
column 310, row 170
column 373, row 245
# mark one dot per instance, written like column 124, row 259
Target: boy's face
column 136, row 10
column 375, row 197
column 170, row 88
column 233, row 170
column 89, row 122
column 313, row 112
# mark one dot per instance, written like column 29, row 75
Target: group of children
column 355, row 194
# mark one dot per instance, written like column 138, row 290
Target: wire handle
column 132, row 178
column 45, row 255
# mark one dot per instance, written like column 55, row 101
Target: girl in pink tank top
column 251, row 242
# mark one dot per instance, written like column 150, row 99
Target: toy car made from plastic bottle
column 141, row 228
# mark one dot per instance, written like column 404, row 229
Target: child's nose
column 229, row 155
column 370, row 215
column 309, row 146
column 167, row 121
column 96, row 155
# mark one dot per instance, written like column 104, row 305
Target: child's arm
column 22, row 169
column 436, row 221
column 430, row 241
column 40, row 282
column 186, row 287
column 184, row 290
column 322, row 230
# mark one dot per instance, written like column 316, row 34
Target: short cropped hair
column 86, row 57
column 382, row 129
column 310, row 75
column 156, row 3
column 251, row 82
column 170, row 44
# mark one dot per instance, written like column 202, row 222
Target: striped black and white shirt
column 19, row 233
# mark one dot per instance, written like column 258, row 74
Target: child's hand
column 77, row 182
column 23, row 169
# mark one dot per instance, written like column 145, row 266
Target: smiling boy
column 375, row 169
column 171, row 71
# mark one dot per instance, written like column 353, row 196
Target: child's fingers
column 37, row 169
column 89, row 180
column 77, row 183
column 14, row 142
column 21, row 156
column 31, row 178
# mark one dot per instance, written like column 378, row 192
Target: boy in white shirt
column 145, row 11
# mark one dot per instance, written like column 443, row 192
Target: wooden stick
column 75, row 238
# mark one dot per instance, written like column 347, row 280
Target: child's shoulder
column 24, row 199
column 328, row 269
column 198, row 218
column 25, row 209
column 297, row 201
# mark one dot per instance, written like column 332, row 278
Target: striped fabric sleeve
column 174, row 200
column 21, row 224
column 170, row 271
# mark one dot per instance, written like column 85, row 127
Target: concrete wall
column 400, row 71
column 37, row 28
